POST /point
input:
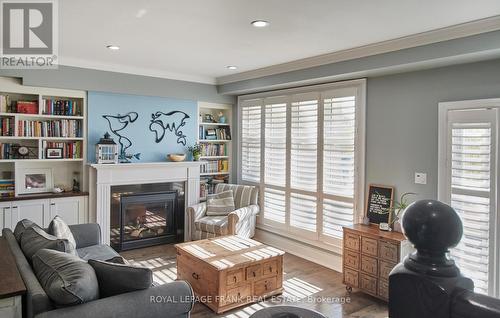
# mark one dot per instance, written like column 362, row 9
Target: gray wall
column 402, row 120
column 104, row 81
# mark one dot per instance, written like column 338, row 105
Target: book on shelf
column 61, row 107
column 214, row 166
column 66, row 128
column 221, row 133
column 5, row 151
column 210, row 150
column 207, row 185
column 6, row 126
column 27, row 107
column 7, row 187
column 70, row 150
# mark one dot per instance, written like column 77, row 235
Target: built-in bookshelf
column 215, row 138
column 41, row 128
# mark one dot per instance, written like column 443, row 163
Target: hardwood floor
column 306, row 284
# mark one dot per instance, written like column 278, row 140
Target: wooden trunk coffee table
column 228, row 271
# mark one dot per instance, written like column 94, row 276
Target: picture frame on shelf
column 54, row 153
column 379, row 202
column 34, row 180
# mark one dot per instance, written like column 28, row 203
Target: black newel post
column 426, row 283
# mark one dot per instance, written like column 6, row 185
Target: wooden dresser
column 369, row 255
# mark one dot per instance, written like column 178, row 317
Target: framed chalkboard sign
column 379, row 203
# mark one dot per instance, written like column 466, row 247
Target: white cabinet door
column 6, row 215
column 71, row 209
column 34, row 210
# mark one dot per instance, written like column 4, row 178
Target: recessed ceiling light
column 260, row 23
column 232, row 67
column 113, row 47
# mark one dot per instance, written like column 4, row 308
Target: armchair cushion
column 221, row 203
column 213, row 224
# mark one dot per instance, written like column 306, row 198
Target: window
column 309, row 144
column 467, row 181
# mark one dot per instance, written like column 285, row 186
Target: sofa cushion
column 220, row 204
column 101, row 252
column 115, row 279
column 60, row 229
column 21, row 226
column 213, row 224
column 67, row 279
column 35, row 238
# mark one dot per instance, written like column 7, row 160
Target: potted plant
column 397, row 208
column 195, row 151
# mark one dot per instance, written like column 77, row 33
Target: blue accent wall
column 143, row 140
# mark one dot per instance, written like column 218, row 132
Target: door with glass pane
column 471, row 189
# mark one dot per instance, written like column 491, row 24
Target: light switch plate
column 420, row 178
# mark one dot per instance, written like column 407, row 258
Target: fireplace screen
column 146, row 219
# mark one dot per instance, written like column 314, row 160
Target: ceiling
column 195, row 40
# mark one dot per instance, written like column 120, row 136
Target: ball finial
column 433, row 227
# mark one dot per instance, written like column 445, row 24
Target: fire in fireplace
column 145, row 218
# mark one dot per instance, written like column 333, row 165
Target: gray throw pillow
column 115, row 279
column 67, row 279
column 61, row 230
column 220, row 204
column 21, row 226
column 35, row 238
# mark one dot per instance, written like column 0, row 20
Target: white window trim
column 444, row 108
column 332, row 244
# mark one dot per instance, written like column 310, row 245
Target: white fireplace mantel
column 103, row 176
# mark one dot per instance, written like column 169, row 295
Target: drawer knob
column 195, row 276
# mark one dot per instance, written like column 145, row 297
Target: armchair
column 240, row 222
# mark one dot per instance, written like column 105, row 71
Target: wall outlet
column 420, row 178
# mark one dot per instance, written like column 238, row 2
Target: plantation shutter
column 250, row 140
column 471, row 171
column 339, row 139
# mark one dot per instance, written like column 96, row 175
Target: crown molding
column 406, row 42
column 127, row 69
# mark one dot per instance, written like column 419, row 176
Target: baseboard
column 311, row 253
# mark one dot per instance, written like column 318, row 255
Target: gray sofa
column 170, row 300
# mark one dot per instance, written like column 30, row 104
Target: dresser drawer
column 238, row 294
column 270, row 268
column 254, row 272
column 385, row 269
column 351, row 277
column 264, row 286
column 351, row 259
column 383, row 289
column 369, row 265
column 351, row 241
column 368, row 283
column 369, row 246
column 388, row 251
column 235, row 277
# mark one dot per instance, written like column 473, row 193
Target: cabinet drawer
column 194, row 275
column 385, row 269
column 368, row 283
column 369, row 265
column 351, row 277
column 369, row 246
column 351, row 241
column 238, row 294
column 383, row 289
column 235, row 277
column 270, row 268
column 351, row 259
column 254, row 272
column 388, row 251
column 264, row 286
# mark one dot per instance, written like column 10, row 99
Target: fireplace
column 146, row 215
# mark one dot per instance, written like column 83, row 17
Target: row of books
column 9, row 106
column 7, row 188
column 221, row 133
column 66, row 128
column 5, row 151
column 61, row 107
column 213, row 150
column 6, row 126
column 207, row 186
column 70, row 150
column 211, row 166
